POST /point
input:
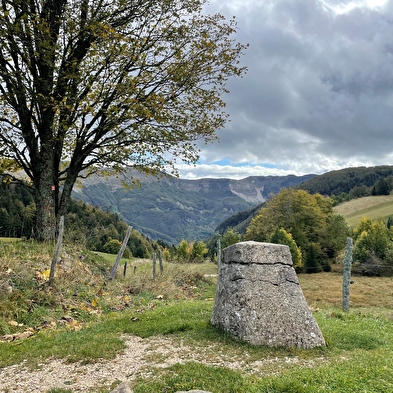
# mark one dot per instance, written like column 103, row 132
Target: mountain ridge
column 172, row 209
column 342, row 185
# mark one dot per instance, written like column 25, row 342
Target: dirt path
column 139, row 358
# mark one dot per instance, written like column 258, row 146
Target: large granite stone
column 259, row 299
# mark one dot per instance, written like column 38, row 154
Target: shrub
column 371, row 238
column 112, row 247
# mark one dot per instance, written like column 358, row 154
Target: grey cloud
column 319, row 90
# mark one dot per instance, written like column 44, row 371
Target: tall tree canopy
column 88, row 85
column 309, row 219
column 372, row 239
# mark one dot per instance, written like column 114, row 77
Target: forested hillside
column 239, row 221
column 173, row 209
column 84, row 224
column 342, row 185
column 353, row 181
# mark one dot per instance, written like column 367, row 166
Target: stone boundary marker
column 259, row 299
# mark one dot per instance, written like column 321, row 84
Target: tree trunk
column 45, row 197
column 46, row 211
column 51, row 202
column 65, row 196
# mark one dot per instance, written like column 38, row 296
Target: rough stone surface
column 259, row 299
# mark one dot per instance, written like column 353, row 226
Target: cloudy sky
column 318, row 95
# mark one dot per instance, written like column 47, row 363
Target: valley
column 173, row 209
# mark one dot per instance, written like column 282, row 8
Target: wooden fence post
column 120, row 254
column 347, row 274
column 57, row 251
column 218, row 251
column 154, row 265
column 160, row 261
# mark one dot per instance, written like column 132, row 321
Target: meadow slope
column 374, row 207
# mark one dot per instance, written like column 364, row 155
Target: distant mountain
column 355, row 182
column 173, row 209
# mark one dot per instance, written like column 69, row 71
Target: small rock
column 124, row 387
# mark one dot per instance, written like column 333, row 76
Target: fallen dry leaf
column 19, row 336
column 14, row 323
column 25, row 334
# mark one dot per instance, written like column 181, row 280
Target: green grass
column 9, row 240
column 178, row 305
column 101, row 339
column 111, row 258
column 374, row 207
column 358, row 357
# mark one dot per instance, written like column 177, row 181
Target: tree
column 298, row 212
column 371, row 238
column 199, row 251
column 342, row 197
column 389, row 180
column 112, row 246
column 212, row 246
column 389, row 222
column 281, row 236
column 359, row 191
column 308, row 218
column 364, row 225
column 230, row 237
column 337, row 232
column 184, row 251
column 381, row 187
column 101, row 86
column 311, row 262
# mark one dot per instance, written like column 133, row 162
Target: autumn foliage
column 308, row 221
column 101, row 86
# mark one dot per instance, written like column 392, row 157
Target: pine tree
column 311, row 263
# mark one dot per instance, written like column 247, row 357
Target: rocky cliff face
column 257, row 189
column 253, row 189
column 173, row 209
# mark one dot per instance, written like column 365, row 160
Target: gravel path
column 81, row 377
column 139, row 358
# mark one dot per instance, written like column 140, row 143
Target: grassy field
column 178, row 304
column 357, row 358
column 374, row 207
